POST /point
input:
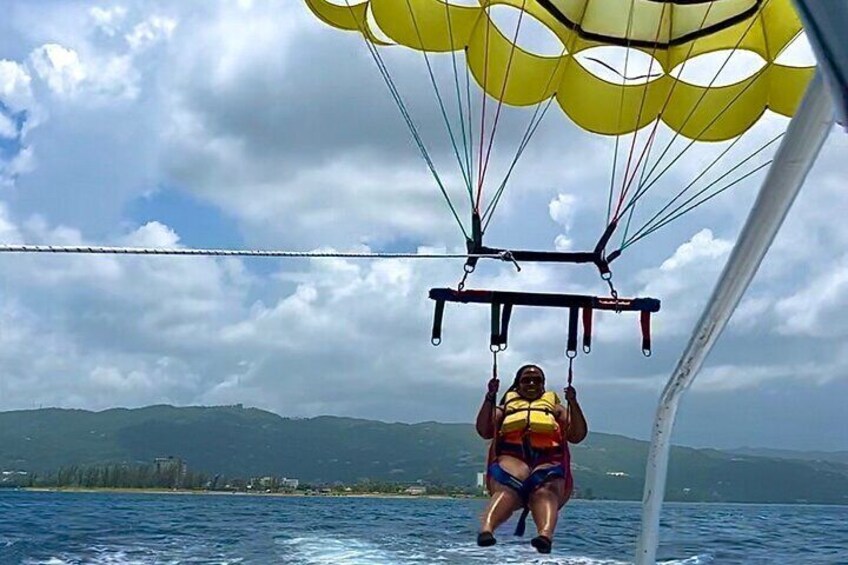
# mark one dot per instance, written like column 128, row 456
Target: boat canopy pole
column 803, row 142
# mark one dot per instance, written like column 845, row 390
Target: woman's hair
column 514, row 386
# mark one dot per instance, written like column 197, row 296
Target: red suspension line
column 500, row 101
column 629, row 183
column 625, row 185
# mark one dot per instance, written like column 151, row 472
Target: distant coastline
column 388, row 496
column 108, row 490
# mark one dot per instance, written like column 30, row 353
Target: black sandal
column 485, row 539
column 542, row 544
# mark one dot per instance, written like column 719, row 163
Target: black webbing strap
column 496, row 326
column 573, row 318
column 436, row 337
column 602, row 243
column 501, row 314
column 507, row 315
column 474, row 246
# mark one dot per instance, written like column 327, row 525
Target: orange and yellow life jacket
column 536, row 419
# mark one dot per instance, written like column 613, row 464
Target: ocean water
column 76, row 528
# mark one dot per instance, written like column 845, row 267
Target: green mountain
column 247, row 442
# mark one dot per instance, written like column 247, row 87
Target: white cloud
column 8, row 128
column 563, row 243
column 370, row 199
column 703, row 247
column 150, row 32
column 562, row 210
column 15, row 89
column 719, row 379
column 98, row 79
column 819, row 309
column 153, row 234
column 9, row 232
column 21, row 163
column 59, row 67
column 108, row 20
column 751, row 311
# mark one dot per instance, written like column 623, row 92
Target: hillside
column 246, row 442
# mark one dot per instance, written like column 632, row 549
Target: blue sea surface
column 74, row 528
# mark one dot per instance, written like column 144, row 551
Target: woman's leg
column 545, row 503
column 505, row 500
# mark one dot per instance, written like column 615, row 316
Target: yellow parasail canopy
column 672, row 31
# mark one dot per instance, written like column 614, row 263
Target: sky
column 241, row 124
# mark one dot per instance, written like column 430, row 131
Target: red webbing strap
column 645, row 320
column 587, row 330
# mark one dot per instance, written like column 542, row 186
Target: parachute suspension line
column 628, row 183
column 648, row 229
column 501, row 98
column 683, row 191
column 707, row 199
column 462, row 111
column 625, row 186
column 654, row 223
column 483, row 115
column 470, row 147
column 690, row 144
column 697, row 105
column 645, row 187
column 437, row 91
column 620, row 114
column 674, row 83
column 384, row 72
column 535, row 121
column 525, row 141
column 670, row 218
column 645, row 151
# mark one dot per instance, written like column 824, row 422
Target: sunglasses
column 531, row 380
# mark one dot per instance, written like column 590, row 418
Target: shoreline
column 387, row 496
column 109, row 490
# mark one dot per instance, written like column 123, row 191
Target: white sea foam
column 100, row 555
column 351, row 551
column 694, row 560
column 347, row 551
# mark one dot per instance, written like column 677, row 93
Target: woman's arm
column 488, row 412
column 577, row 427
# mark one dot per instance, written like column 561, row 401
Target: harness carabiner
column 467, row 270
column 613, row 292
